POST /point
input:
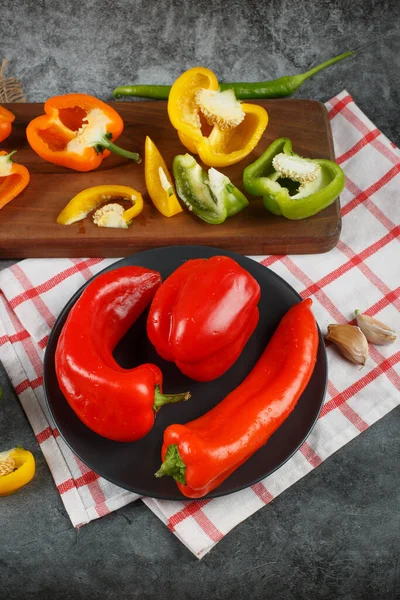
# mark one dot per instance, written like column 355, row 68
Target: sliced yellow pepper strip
column 214, row 124
column 159, row 182
column 83, row 203
column 17, row 467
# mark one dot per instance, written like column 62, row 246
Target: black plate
column 132, row 465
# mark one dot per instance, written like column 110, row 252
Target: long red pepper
column 203, row 453
column 117, row 403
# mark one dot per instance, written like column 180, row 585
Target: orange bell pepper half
column 13, row 178
column 76, row 132
column 6, row 120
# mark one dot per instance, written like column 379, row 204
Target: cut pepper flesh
column 13, row 178
column 220, row 108
column 76, row 132
column 17, row 467
column 183, row 110
column 159, row 182
column 211, row 196
column 92, row 198
column 291, row 185
column 195, row 104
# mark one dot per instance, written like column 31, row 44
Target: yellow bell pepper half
column 83, row 203
column 183, row 111
column 159, row 182
column 17, row 468
column 214, row 124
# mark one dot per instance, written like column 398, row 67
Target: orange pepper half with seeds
column 213, row 123
column 76, row 132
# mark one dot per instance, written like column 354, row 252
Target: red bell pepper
column 203, row 453
column 203, row 315
column 116, row 403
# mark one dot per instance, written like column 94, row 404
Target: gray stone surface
column 92, row 46
column 335, row 534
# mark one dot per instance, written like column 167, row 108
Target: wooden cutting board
column 28, row 225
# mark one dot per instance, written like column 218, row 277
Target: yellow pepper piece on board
column 83, row 203
column 183, row 110
column 195, row 101
column 159, row 182
column 17, row 467
column 229, row 146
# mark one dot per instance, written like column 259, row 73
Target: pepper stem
column 300, row 79
column 161, row 399
column 106, row 143
column 8, row 156
column 173, row 465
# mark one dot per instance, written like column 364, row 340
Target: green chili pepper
column 276, row 88
column 293, row 186
column 211, row 196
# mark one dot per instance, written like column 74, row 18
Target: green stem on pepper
column 161, row 399
column 173, row 465
column 106, row 143
column 9, row 156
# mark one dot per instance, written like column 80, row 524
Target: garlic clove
column 375, row 331
column 351, row 342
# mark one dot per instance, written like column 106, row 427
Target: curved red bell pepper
column 203, row 453
column 203, row 315
column 116, row 403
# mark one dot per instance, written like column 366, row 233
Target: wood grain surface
column 28, row 225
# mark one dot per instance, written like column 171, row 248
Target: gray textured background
column 335, row 534
column 56, row 46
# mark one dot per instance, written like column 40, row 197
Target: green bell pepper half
column 293, row 186
column 211, row 196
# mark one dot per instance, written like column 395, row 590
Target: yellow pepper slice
column 183, row 111
column 188, row 142
column 17, row 467
column 229, row 146
column 159, row 182
column 83, row 203
column 227, row 141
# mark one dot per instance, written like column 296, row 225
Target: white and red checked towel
column 363, row 272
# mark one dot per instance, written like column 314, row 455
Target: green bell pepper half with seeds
column 291, row 185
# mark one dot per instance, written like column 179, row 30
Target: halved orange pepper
column 211, row 123
column 17, row 467
column 13, row 178
column 76, row 132
column 159, row 182
column 6, row 120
